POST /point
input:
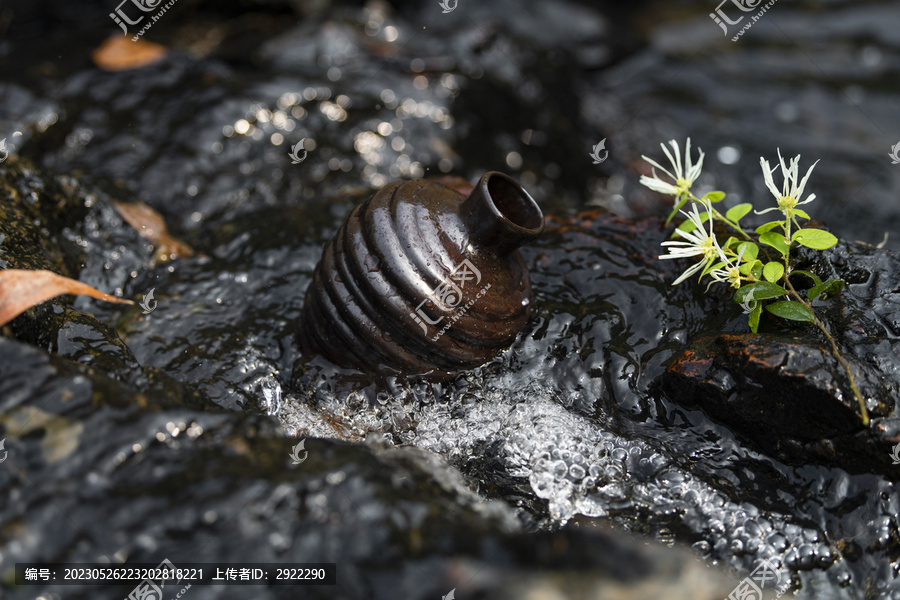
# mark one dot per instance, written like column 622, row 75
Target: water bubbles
column 778, row 542
column 576, row 472
column 271, row 391
column 574, row 465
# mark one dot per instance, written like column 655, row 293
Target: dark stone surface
column 786, row 394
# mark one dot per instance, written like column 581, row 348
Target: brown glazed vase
column 422, row 280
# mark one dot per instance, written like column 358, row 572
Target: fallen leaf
column 150, row 224
column 21, row 289
column 119, row 53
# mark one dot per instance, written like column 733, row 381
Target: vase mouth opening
column 513, row 204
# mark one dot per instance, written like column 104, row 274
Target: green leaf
column 769, row 226
column 714, row 197
column 801, row 213
column 688, row 225
column 776, row 240
column 738, row 212
column 757, row 269
column 773, row 271
column 751, row 251
column 829, row 288
column 817, row 239
column 762, row 290
column 788, row 309
column 754, row 317
column 751, row 267
column 810, row 274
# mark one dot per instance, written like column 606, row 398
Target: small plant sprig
column 759, row 283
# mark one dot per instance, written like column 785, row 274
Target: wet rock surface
column 625, row 403
column 795, row 388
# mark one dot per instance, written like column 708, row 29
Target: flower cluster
column 757, row 267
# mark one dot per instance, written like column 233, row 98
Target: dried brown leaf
column 21, row 289
column 150, row 224
column 119, row 53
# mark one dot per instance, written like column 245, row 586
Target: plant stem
column 834, row 350
column 732, row 224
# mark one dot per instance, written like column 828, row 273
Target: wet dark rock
column 204, row 486
column 51, row 222
column 786, row 394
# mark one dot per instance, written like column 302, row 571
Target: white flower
column 683, row 178
column 699, row 243
column 729, row 272
column 792, row 189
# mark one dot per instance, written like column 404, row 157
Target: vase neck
column 500, row 215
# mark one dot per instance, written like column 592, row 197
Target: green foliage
column 761, row 290
column 773, row 271
column 829, row 288
column 753, row 320
column 736, row 213
column 769, row 226
column 817, row 239
column 761, row 270
column 789, row 309
column 776, row 240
